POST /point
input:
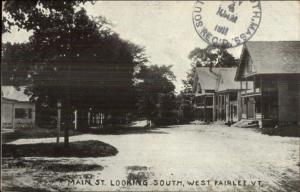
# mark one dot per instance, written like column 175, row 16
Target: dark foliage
column 155, row 94
column 211, row 57
column 36, row 15
column 185, row 108
column 70, row 57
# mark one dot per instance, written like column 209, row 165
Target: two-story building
column 216, row 95
column 269, row 76
column 227, row 97
column 205, row 82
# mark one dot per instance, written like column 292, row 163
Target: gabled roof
column 273, row 57
column 226, row 79
column 13, row 93
column 207, row 78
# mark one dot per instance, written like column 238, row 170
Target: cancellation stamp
column 229, row 24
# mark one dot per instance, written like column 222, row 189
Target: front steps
column 247, row 123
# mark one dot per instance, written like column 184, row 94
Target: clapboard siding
column 289, row 100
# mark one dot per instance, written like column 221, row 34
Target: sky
column 166, row 30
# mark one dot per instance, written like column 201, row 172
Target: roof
column 226, row 80
column 274, row 57
column 206, row 78
column 14, row 93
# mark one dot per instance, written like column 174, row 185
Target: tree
column 16, row 63
column 36, row 15
column 76, row 59
column 211, row 57
column 155, row 93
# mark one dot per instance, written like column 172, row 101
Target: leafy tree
column 74, row 58
column 36, row 15
column 155, row 93
column 15, row 63
column 211, row 57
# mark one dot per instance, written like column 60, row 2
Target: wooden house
column 269, row 76
column 205, row 82
column 227, row 94
column 16, row 109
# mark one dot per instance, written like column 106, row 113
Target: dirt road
column 185, row 157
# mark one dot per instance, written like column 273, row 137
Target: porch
column 259, row 98
column 203, row 107
column 227, row 106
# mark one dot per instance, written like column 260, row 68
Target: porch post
column 261, row 100
column 218, row 112
column 247, row 100
column 239, row 105
column 214, row 107
column 205, row 112
column 220, row 107
column 241, row 85
column 254, row 79
column 227, row 108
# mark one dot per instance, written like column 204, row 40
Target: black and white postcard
column 150, row 95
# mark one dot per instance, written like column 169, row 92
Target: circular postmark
column 226, row 24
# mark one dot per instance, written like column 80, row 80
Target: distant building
column 269, row 76
column 216, row 95
column 205, row 82
column 185, row 110
column 227, row 97
column 16, row 109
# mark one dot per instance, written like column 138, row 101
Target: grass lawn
column 75, row 149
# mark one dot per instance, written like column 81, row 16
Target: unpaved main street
column 185, row 157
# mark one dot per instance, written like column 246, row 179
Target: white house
column 16, row 109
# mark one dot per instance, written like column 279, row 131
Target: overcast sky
column 166, row 30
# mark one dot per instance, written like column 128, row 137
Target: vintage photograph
column 150, row 96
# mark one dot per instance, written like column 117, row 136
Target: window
column 29, row 113
column 233, row 96
column 209, row 101
column 257, row 83
column 258, row 104
column 23, row 113
column 20, row 113
column 292, row 86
